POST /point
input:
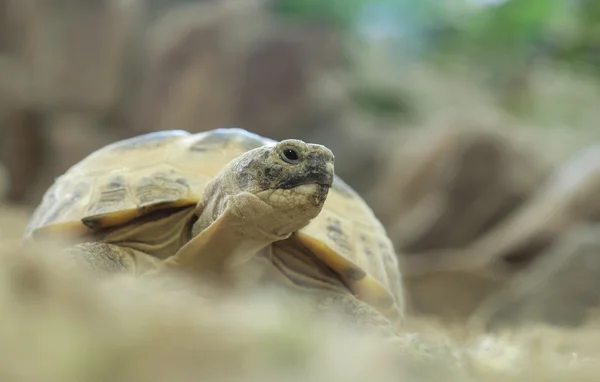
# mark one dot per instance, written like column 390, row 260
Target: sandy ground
column 72, row 327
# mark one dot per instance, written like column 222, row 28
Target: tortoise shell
column 129, row 178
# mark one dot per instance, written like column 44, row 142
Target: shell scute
column 159, row 187
column 149, row 141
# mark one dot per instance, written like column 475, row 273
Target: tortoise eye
column 290, row 155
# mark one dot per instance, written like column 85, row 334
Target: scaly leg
column 104, row 258
column 369, row 318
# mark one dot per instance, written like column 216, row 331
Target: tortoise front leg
column 370, row 319
column 107, row 258
column 359, row 311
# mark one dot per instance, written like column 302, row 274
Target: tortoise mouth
column 316, row 193
column 310, row 187
column 319, row 178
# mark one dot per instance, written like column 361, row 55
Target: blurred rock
column 567, row 198
column 4, row 181
column 451, row 297
column 445, row 186
column 519, row 242
column 15, row 85
column 563, row 288
column 22, row 132
column 4, row 26
column 454, row 173
column 190, row 75
column 275, row 92
column 75, row 52
column 213, row 64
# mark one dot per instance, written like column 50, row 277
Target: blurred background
column 450, row 118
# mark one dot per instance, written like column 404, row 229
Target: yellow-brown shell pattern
column 131, row 177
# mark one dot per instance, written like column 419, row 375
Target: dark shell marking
column 374, row 263
column 354, row 274
column 336, row 233
column 146, row 189
column 112, row 197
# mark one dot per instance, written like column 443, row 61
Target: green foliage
column 467, row 27
column 501, row 40
column 381, row 102
column 338, row 12
column 512, row 24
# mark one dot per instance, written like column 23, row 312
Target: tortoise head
column 288, row 173
column 274, row 190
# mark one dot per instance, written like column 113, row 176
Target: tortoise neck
column 290, row 261
column 159, row 234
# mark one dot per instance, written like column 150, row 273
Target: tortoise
column 200, row 202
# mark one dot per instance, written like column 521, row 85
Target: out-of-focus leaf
column 339, row 12
column 513, row 27
column 381, row 102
